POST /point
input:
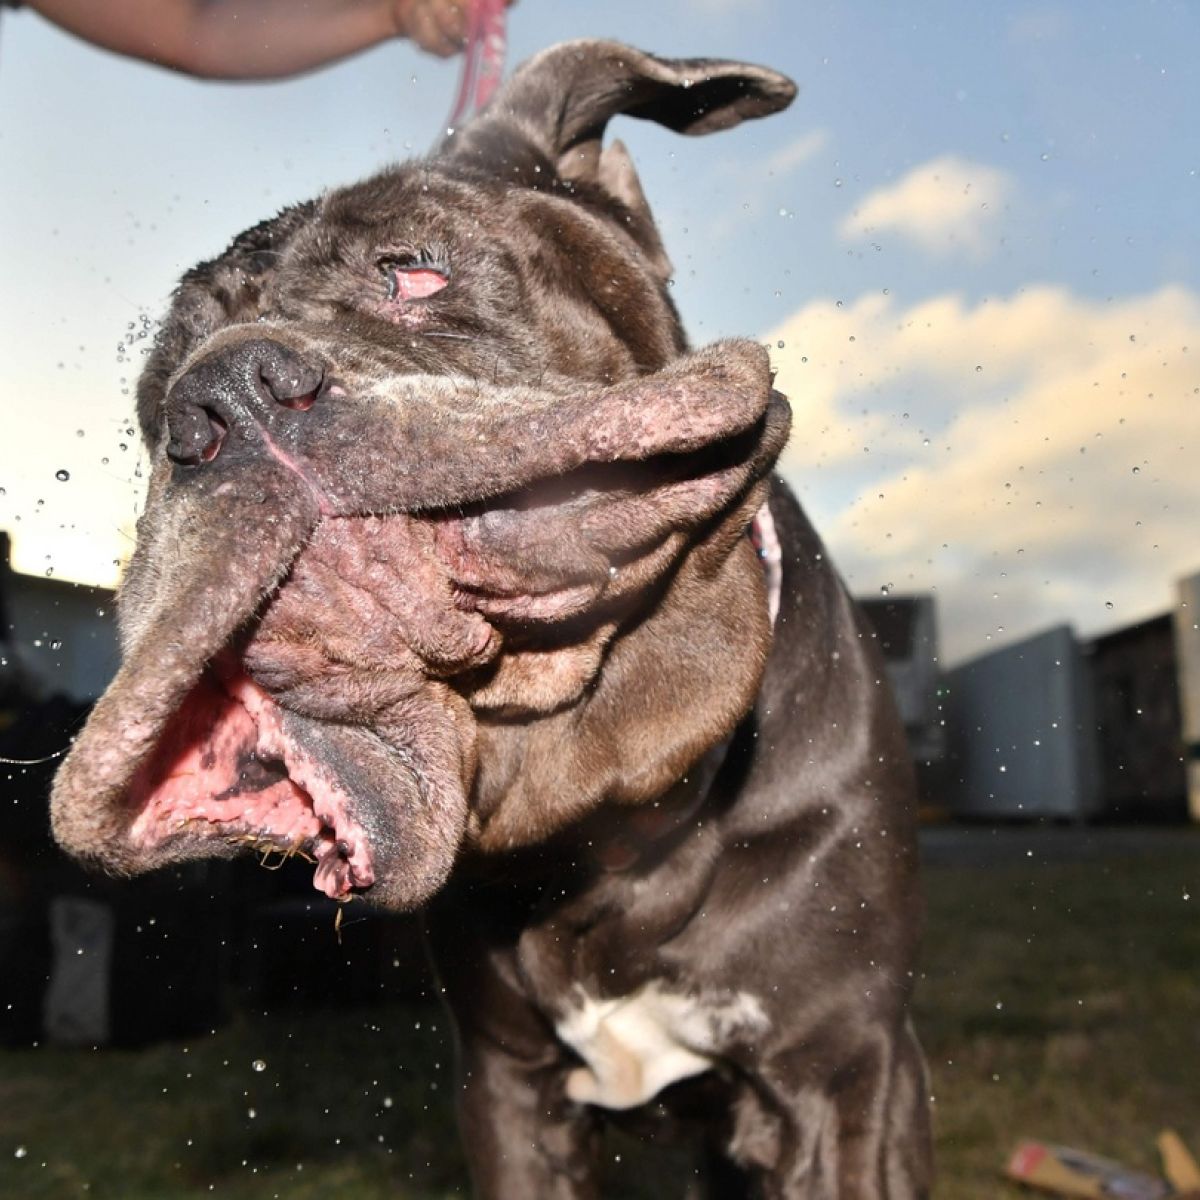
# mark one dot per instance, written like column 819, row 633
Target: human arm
column 256, row 39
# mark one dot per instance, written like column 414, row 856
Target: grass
column 1059, row 1001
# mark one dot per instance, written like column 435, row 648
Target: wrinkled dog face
column 443, row 534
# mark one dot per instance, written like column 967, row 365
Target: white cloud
column 944, row 205
column 1034, row 458
column 796, row 153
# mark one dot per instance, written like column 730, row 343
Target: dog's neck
column 648, row 831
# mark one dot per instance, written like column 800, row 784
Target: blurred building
column 1140, row 753
column 1187, row 647
column 1057, row 727
column 1022, row 732
column 60, row 637
column 906, row 629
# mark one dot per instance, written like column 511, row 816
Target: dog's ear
column 565, row 96
column 557, row 105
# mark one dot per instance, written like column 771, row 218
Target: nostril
column 293, row 385
column 300, row 403
column 226, row 396
column 201, row 441
column 219, row 429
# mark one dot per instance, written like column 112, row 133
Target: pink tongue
column 220, row 761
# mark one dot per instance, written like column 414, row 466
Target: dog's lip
column 225, row 765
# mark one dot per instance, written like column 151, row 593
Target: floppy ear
column 560, row 101
column 566, row 95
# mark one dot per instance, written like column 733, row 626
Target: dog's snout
column 233, row 391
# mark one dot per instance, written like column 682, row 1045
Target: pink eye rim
column 412, row 279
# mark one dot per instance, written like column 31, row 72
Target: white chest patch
column 636, row 1045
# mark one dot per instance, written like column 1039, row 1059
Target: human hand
column 438, row 26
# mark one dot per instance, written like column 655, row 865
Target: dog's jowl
column 463, row 574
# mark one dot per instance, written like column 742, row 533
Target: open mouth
column 226, row 766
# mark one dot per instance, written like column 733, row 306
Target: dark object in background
column 296, row 954
column 1135, row 680
column 139, row 961
column 31, row 865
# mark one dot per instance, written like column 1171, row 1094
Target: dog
column 462, row 575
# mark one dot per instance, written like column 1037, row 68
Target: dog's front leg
column 524, row 1139
column 863, row 1135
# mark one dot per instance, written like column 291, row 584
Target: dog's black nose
column 236, row 390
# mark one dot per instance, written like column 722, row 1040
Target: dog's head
column 444, row 539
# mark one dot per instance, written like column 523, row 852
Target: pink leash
column 483, row 58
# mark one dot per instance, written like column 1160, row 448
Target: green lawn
column 1057, row 1001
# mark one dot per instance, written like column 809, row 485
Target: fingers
column 437, row 26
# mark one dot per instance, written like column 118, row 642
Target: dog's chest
column 633, row 1046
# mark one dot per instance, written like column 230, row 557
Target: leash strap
column 765, row 541
column 483, row 59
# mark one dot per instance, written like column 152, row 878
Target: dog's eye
column 412, row 278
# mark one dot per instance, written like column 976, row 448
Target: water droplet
column 56, row 644
column 20, row 1152
column 62, row 476
column 79, row 433
column 978, row 369
column 259, row 1064
column 1108, row 604
column 1137, row 470
column 779, row 344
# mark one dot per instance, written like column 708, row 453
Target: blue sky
column 976, row 234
